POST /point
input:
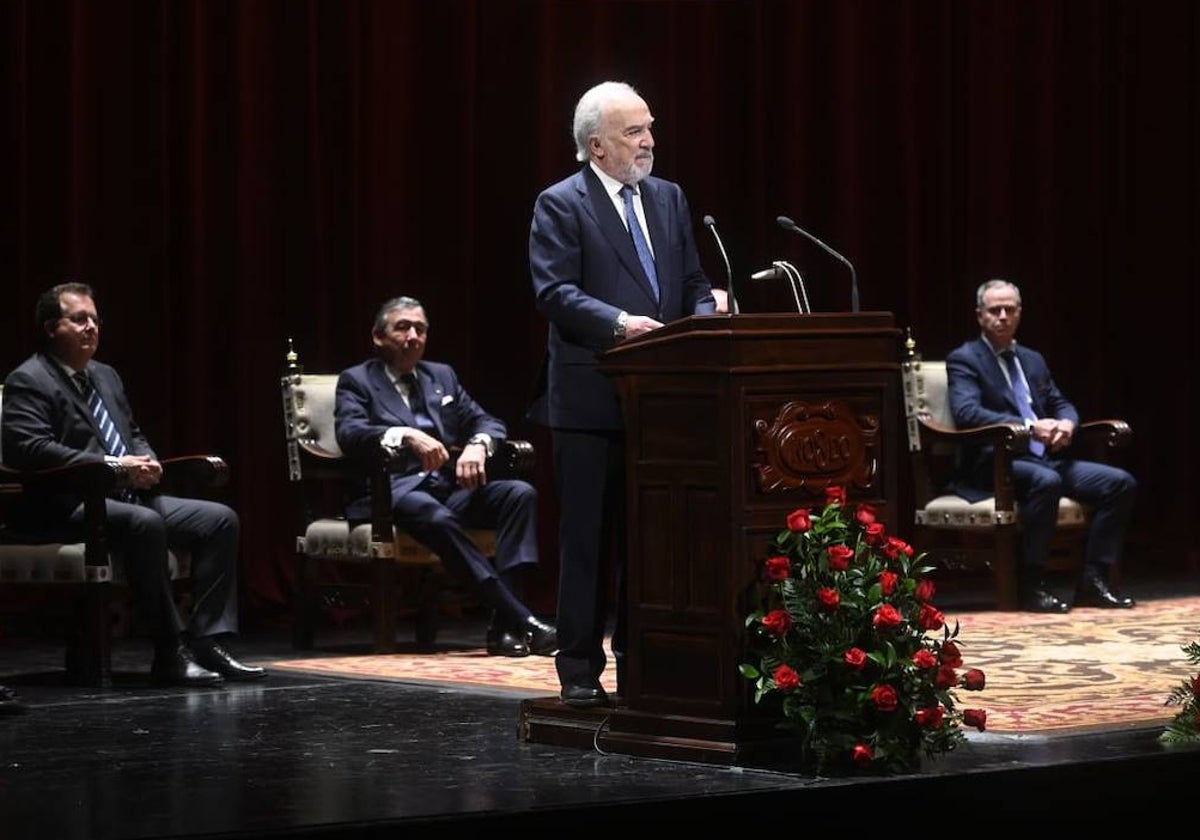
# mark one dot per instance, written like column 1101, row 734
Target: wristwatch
column 485, row 440
column 619, row 325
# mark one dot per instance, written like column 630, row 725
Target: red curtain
column 229, row 175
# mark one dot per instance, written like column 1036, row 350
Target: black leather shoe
column 215, row 658
column 584, row 696
column 177, row 666
column 506, row 643
column 543, row 638
column 1039, row 600
column 9, row 704
column 1094, row 592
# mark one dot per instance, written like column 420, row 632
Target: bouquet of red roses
column 848, row 642
column 1185, row 726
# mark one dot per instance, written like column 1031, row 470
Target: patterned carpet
column 1088, row 669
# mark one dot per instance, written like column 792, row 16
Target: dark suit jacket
column 586, row 271
column 979, row 395
column 46, row 423
column 368, row 404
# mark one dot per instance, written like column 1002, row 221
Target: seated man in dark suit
column 62, row 407
column 399, row 400
column 992, row 379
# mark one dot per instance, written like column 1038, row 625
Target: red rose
column 925, row 590
column 778, row 568
column 887, row 581
column 865, row 514
column 974, row 680
column 856, row 658
column 829, row 599
column 835, row 496
column 930, row 618
column 931, row 718
column 862, row 755
column 777, row 622
column 924, row 659
column 887, row 617
column 798, row 520
column 976, row 718
column 894, row 547
column 875, row 533
column 946, row 677
column 885, row 698
column 786, row 678
column 950, row 655
column 840, row 557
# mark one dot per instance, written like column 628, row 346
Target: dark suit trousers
column 510, row 507
column 590, row 472
column 1039, row 484
column 140, row 536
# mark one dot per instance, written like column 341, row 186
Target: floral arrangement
column 1185, row 726
column 846, row 641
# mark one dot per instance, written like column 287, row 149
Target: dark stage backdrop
column 231, row 174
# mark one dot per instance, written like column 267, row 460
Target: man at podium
column 612, row 256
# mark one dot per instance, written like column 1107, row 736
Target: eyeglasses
column 81, row 319
column 403, row 327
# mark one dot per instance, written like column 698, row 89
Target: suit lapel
column 656, row 221
column 431, row 395
column 990, row 364
column 604, row 214
column 57, row 374
column 387, row 394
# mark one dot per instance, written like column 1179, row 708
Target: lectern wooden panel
column 732, row 422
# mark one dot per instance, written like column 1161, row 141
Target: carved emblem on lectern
column 811, row 446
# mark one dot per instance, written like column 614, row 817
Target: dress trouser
column 590, row 473
column 1108, row 491
column 140, row 535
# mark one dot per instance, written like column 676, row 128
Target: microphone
column 787, row 224
column 711, row 224
column 786, row 271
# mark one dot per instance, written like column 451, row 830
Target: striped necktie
column 1024, row 400
column 639, row 239
column 111, row 437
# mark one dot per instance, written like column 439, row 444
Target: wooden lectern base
column 619, row 729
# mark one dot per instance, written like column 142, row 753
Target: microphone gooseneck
column 711, row 224
column 787, row 224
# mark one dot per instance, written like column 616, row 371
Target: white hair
column 589, row 112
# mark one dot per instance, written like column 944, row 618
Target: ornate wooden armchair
column 963, row 536
column 335, row 555
column 86, row 570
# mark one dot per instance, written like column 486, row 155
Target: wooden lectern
column 732, row 422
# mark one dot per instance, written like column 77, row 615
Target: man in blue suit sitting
column 400, row 400
column 992, row 379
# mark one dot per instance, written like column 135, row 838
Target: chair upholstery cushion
column 956, row 512
column 63, row 563
column 312, row 404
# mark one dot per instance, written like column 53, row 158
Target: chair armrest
column 195, row 472
column 1013, row 436
column 1006, row 439
column 511, row 459
column 1108, row 433
column 84, row 479
column 92, row 480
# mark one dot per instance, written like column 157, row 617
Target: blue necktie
column 1024, row 401
column 109, row 435
column 639, row 239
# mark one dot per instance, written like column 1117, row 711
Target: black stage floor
column 327, row 757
